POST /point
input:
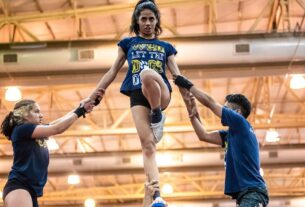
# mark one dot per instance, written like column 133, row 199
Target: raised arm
column 63, row 123
column 200, row 95
column 111, row 73
column 207, row 100
column 99, row 94
column 202, row 134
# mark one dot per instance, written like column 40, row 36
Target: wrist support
column 80, row 111
column 183, row 82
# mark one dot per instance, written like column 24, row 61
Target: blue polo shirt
column 31, row 158
column 141, row 53
column 242, row 163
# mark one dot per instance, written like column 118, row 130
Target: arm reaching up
column 63, row 123
column 109, row 76
column 190, row 103
column 200, row 95
column 98, row 95
column 60, row 125
column 202, row 134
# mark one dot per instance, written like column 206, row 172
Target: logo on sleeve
column 251, row 130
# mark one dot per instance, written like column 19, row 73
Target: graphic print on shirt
column 42, row 143
column 146, row 55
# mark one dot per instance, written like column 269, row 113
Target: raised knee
column 145, row 74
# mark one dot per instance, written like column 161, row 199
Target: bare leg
column 17, row 198
column 141, row 118
column 157, row 93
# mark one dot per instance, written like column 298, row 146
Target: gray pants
column 253, row 198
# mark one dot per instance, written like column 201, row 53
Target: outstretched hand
column 84, row 107
column 190, row 103
column 151, row 187
column 97, row 96
column 88, row 103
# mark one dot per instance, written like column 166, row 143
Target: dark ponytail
column 140, row 6
column 7, row 125
column 16, row 117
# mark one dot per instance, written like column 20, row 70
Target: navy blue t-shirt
column 140, row 53
column 242, row 154
column 31, row 158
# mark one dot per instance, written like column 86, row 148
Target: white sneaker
column 157, row 129
column 159, row 202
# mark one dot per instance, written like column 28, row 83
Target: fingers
column 89, row 103
column 152, row 186
column 100, row 92
column 190, row 103
column 88, row 106
column 154, row 183
column 97, row 94
column 193, row 114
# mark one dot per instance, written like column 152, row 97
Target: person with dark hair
column 243, row 180
column 146, row 82
column 23, row 127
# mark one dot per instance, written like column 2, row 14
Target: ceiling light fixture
column 73, row 179
column 13, row 93
column 297, row 82
column 272, row 136
column 89, row 202
column 297, row 202
column 166, row 159
column 167, row 189
column 52, row 144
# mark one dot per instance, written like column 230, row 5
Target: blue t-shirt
column 140, row 52
column 31, row 158
column 242, row 154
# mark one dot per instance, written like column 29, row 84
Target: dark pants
column 137, row 98
column 14, row 184
column 253, row 198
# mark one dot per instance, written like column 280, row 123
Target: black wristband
column 80, row 111
column 183, row 82
column 97, row 101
